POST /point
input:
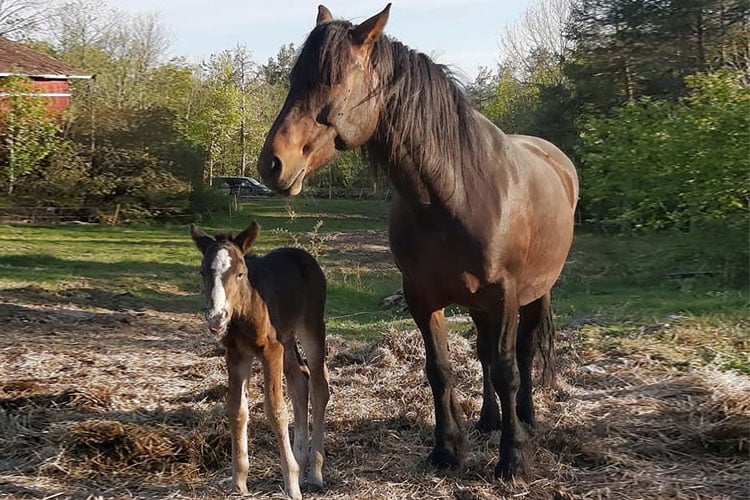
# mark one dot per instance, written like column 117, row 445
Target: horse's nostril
column 276, row 165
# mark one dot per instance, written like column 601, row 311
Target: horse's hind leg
column 514, row 460
column 489, row 418
column 314, row 344
column 535, row 328
column 296, row 375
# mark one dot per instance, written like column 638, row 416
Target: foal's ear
column 246, row 238
column 200, row 238
column 324, row 15
column 368, row 31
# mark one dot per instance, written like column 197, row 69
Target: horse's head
column 224, row 273
column 331, row 105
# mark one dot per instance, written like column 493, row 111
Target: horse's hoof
column 530, row 427
column 513, row 464
column 442, row 458
column 487, row 425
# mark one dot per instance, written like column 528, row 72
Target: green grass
column 612, row 290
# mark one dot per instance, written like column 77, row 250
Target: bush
column 206, row 202
column 134, row 177
column 661, row 164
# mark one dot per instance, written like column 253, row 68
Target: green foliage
column 29, row 129
column 207, row 203
column 62, row 179
column 662, row 164
column 134, row 177
column 628, row 49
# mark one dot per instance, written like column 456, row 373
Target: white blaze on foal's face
column 218, row 314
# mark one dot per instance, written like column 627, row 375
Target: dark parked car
column 242, row 186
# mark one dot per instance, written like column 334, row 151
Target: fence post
column 117, row 214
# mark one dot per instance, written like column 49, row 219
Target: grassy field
column 109, row 377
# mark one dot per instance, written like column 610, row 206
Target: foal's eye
column 240, row 275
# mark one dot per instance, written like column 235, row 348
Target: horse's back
column 546, row 154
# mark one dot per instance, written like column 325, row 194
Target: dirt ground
column 129, row 404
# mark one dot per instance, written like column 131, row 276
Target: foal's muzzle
column 217, row 324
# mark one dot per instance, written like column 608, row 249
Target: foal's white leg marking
column 221, row 264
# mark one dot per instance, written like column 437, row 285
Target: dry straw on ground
column 96, row 404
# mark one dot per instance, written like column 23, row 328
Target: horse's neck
column 448, row 184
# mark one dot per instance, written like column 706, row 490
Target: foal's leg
column 314, row 344
column 513, row 440
column 239, row 369
column 272, row 357
column 296, row 378
column 450, row 441
column 489, row 418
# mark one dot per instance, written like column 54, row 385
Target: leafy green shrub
column 134, row 177
column 205, row 201
column 662, row 164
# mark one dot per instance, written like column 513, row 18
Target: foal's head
column 331, row 103
column 224, row 273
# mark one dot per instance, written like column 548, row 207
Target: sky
column 463, row 34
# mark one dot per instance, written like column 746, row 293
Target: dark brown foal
column 260, row 307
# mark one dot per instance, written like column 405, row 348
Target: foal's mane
column 424, row 111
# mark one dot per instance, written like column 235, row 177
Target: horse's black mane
column 425, row 112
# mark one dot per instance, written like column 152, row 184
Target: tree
column 627, row 49
column 29, row 129
column 540, row 30
column 22, row 18
column 666, row 164
column 276, row 71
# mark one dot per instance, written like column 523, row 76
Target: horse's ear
column 200, row 238
column 246, row 238
column 324, row 15
column 368, row 31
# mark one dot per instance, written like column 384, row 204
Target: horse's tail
column 545, row 340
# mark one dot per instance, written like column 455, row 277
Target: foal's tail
column 545, row 340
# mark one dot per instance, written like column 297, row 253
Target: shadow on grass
column 135, row 285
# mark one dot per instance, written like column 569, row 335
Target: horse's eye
column 240, row 275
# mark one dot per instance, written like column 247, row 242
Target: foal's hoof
column 442, row 457
column 314, row 486
column 513, row 464
column 239, row 489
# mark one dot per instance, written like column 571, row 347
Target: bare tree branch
column 22, row 18
column 540, row 31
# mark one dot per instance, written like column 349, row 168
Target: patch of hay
column 137, row 411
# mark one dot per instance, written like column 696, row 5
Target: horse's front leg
column 489, row 418
column 239, row 368
column 272, row 358
column 450, row 440
column 514, row 461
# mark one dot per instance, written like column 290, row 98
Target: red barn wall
column 59, row 91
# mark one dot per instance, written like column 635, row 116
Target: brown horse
column 480, row 218
column 261, row 306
